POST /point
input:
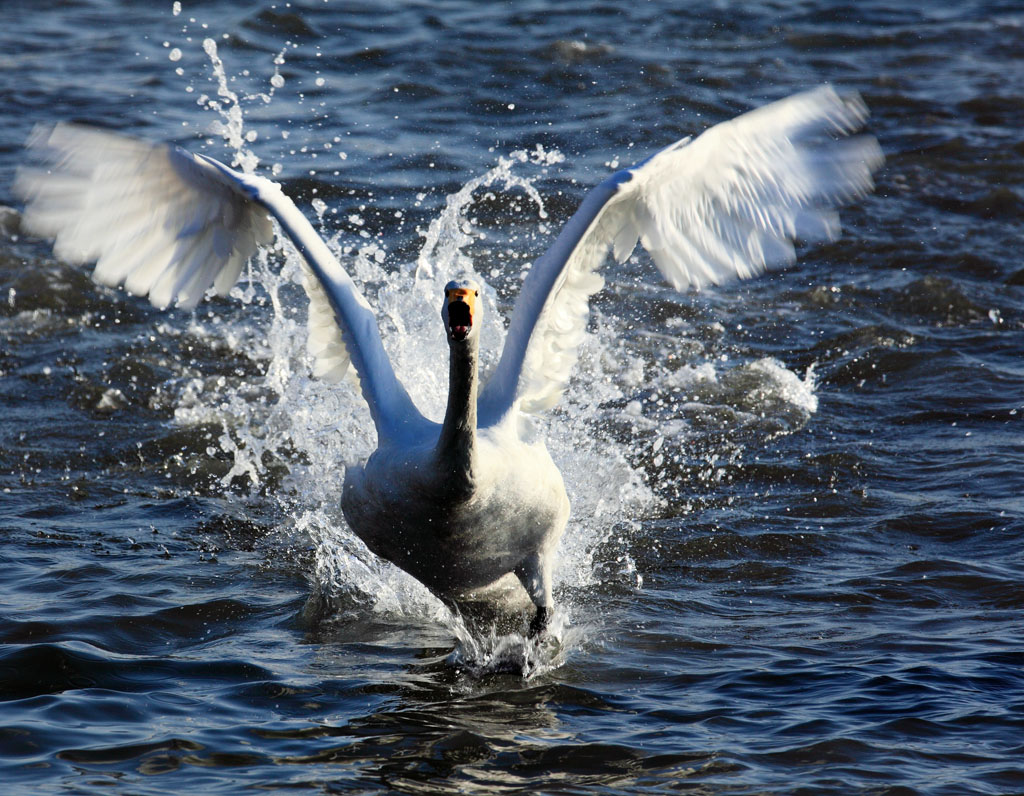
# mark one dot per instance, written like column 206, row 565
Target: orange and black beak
column 461, row 306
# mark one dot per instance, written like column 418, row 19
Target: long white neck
column 456, row 449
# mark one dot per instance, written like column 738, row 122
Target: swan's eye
column 476, row 292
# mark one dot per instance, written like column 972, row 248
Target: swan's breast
column 399, row 506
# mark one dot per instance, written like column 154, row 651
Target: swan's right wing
column 170, row 225
column 152, row 218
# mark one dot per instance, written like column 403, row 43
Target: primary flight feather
column 468, row 504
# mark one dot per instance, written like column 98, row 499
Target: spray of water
column 315, row 429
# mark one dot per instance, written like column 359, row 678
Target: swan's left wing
column 170, row 225
column 728, row 204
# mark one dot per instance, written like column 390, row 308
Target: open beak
column 461, row 303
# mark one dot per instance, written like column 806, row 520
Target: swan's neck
column 457, row 446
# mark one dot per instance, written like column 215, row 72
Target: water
column 795, row 559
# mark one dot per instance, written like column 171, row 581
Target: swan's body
column 464, row 507
column 468, row 503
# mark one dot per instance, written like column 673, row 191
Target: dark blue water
column 795, row 563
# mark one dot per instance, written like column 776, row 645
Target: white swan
column 463, row 504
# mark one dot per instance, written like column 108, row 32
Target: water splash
column 487, row 652
column 286, row 421
column 315, row 428
column 596, row 436
column 604, row 488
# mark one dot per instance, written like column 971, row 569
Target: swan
column 476, row 500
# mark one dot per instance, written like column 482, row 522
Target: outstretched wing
column 170, row 225
column 728, row 204
column 150, row 216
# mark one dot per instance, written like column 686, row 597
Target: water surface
column 795, row 559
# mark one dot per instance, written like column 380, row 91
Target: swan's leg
column 534, row 572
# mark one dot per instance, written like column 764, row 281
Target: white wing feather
column 726, row 205
column 154, row 218
column 324, row 341
column 170, row 225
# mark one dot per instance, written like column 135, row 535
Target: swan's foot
column 534, row 572
column 539, row 623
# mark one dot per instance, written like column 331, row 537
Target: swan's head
column 461, row 309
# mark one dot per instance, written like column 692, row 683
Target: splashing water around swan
column 472, row 506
